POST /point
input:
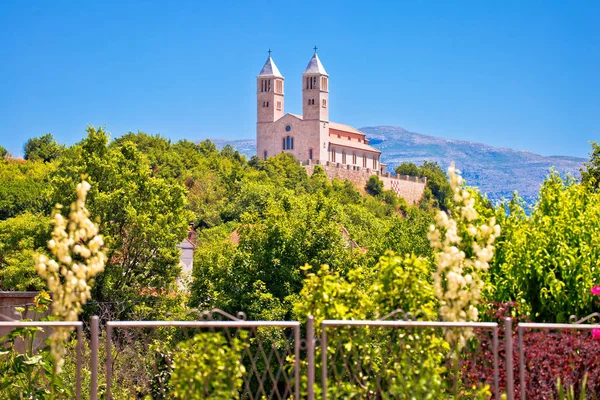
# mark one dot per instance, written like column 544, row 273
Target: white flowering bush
column 78, row 258
column 463, row 246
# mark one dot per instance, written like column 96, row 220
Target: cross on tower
column 269, row 52
column 315, row 49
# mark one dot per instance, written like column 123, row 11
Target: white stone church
column 310, row 137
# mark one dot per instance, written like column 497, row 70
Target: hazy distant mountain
column 496, row 171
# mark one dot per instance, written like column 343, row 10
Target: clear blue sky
column 520, row 74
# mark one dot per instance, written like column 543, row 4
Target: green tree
column 591, row 174
column 43, row 148
column 142, row 217
column 374, row 185
column 438, row 192
column 3, row 152
column 548, row 260
column 21, row 238
column 23, row 187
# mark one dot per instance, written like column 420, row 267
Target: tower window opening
column 324, row 103
column 265, row 155
column 269, row 85
column 364, row 161
column 353, row 158
column 344, row 158
column 310, row 154
column 279, row 105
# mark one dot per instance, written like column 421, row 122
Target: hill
column 496, row 171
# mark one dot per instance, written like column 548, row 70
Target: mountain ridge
column 496, row 171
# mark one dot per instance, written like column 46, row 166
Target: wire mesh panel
column 27, row 368
column 235, row 359
column 547, row 352
column 406, row 360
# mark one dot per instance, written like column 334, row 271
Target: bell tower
column 269, row 92
column 315, row 91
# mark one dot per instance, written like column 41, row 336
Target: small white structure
column 186, row 260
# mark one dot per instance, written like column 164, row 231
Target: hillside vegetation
column 258, row 223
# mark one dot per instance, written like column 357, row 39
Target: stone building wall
column 408, row 187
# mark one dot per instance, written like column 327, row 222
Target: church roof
column 270, row 69
column 344, row 128
column 351, row 144
column 315, row 67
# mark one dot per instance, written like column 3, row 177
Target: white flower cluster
column 76, row 246
column 463, row 250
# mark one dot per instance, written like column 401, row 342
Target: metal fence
column 388, row 360
column 375, row 358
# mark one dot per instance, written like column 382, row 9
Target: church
column 311, row 137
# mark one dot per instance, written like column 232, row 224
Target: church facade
column 311, row 137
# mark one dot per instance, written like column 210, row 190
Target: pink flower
column 596, row 333
column 595, row 290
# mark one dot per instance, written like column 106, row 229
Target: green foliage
column 374, row 186
column 591, row 174
column 142, row 217
column 26, row 371
column 408, row 234
column 265, row 254
column 208, row 367
column 394, row 283
column 548, row 261
column 43, row 148
column 23, row 187
column 21, row 238
column 3, row 152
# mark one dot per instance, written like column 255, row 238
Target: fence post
column 310, row 355
column 109, row 360
column 521, row 344
column 94, row 356
column 508, row 353
column 324, row 361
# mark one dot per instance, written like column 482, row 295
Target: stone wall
column 408, row 187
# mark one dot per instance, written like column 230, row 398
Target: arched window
column 292, row 143
column 324, row 103
column 288, row 142
column 265, row 155
column 364, row 161
column 344, row 157
column 283, row 144
column 353, row 158
column 310, row 154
